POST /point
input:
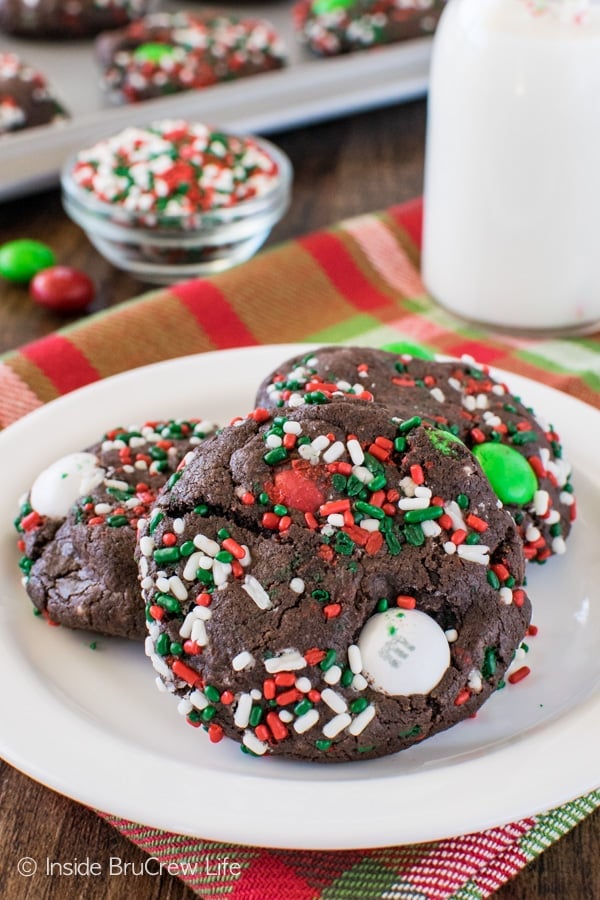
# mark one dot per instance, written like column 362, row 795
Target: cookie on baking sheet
column 330, row 27
column 166, row 53
column 25, row 98
column 75, row 18
column 77, row 525
column 521, row 455
column 331, row 584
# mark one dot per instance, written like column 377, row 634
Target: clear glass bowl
column 172, row 248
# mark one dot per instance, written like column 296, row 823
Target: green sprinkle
column 365, row 749
column 510, row 581
column 154, row 522
column 303, row 439
column 302, row 707
column 382, row 604
column 118, row 494
column 524, row 437
column 501, row 684
column 201, row 509
column 223, row 534
column 489, row 663
column 194, row 716
column 409, row 424
column 208, row 713
column 393, row 544
column 410, row 732
column 368, row 509
column 354, row 486
column 423, row 515
column 472, row 538
column 377, row 483
column 187, row 548
column 347, row 677
column 323, row 745
column 149, row 616
column 174, row 479
column 556, row 529
column 93, row 645
column 414, row 535
column 320, row 594
column 263, row 498
column 167, row 602
column 117, row 521
column 256, row 715
column 358, row 705
column 463, row 501
column 328, row 661
column 224, row 556
column 205, row 576
column 400, row 444
column 276, row 455
column 163, row 644
column 158, row 453
column 176, row 648
column 493, row 580
column 315, row 397
column 280, row 510
column 25, row 564
column 166, row 554
column 339, row 482
column 36, row 612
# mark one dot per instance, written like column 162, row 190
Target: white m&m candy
column 403, row 652
column 56, row 489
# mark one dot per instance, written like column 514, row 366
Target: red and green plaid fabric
column 357, row 282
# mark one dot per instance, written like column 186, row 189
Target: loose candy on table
column 21, row 259
column 62, row 289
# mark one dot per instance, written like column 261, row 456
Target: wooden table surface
column 342, row 168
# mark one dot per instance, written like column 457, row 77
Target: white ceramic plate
column 92, row 725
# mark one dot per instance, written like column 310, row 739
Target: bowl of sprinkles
column 177, row 199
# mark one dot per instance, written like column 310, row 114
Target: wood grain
column 342, row 168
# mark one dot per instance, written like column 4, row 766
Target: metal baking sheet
column 307, row 90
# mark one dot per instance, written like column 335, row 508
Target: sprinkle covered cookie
column 521, row 455
column 330, row 27
column 77, row 526
column 56, row 19
column 25, row 97
column 166, row 53
column 330, row 583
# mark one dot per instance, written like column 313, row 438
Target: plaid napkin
column 357, row 282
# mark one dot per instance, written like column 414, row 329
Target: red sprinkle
column 262, row 733
column 31, row 521
column 332, row 610
column 314, row 696
column 314, row 656
column 169, row 539
column 462, row 697
column 203, row 599
column 186, row 674
column 227, row 698
column 260, row 415
column 270, row 520
column 288, row 697
column 278, row 729
column 519, row 675
column 459, row 536
column 285, row 679
column 215, row 733
column 269, row 689
column 334, row 506
column 518, row 597
column 191, row 648
column 247, row 498
column 532, row 630
column 476, row 523
column 416, row 473
column 234, row 548
column 405, row 602
column 157, row 612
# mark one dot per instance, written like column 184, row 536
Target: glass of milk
column 512, row 180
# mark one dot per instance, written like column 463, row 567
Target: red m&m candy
column 62, row 289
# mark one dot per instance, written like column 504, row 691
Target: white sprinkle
column 191, row 566
column 408, row 486
column 334, row 452
column 205, row 562
column 208, row 546
column 273, row 441
column 506, row 595
column 184, row 707
column 359, row 683
column 320, row 443
column 296, row 400
column 337, row 724
column 438, row 394
column 303, row 684
column 246, row 559
column 161, row 686
column 469, row 402
column 177, row 587
column 101, row 509
column 355, row 659
column 422, row 491
column 243, row 660
column 336, row 519
column 162, row 668
column 450, row 547
column 453, row 510
column 363, row 474
column 201, row 612
column 482, row 401
column 221, row 572
column 115, row 483
column 498, row 389
column 455, row 384
column 334, row 701
column 355, row 450
column 370, row 524
column 288, row 661
column 178, row 526
column 242, row 711
column 307, row 721
column 451, row 635
column 477, row 553
column 256, row 694
column 306, row 452
column 198, row 699
column 252, row 743
column 292, row 428
column 558, row 546
column 147, row 545
column 256, row 592
column 332, row 675
column 286, row 716
column 413, row 502
column 147, row 583
column 328, row 530
column 532, row 533
column 553, row 517
column 148, row 646
column 185, row 629
column 474, row 681
column 140, row 464
column 360, row 722
column 541, row 501
column 297, row 585
column 430, row 528
column 566, row 498
column 162, row 584
column 199, row 633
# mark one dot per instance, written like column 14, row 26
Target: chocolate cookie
column 166, row 53
column 331, row 584
column 521, row 455
column 25, row 98
column 77, row 18
column 78, row 524
column 330, row 27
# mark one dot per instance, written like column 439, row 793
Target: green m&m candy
column 409, row 349
column 153, row 52
column 510, row 475
column 22, row 259
column 445, row 442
